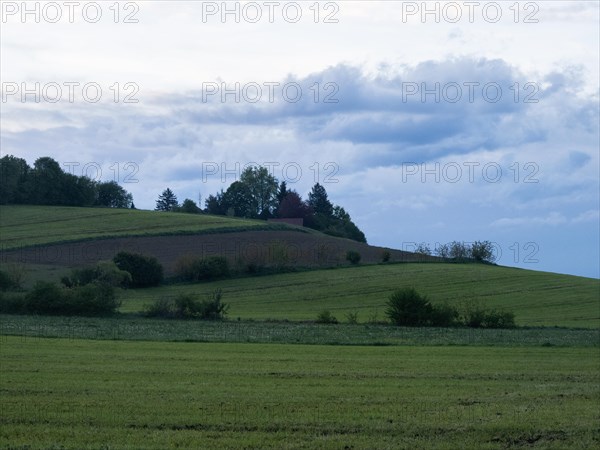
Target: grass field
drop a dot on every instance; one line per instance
(35, 225)
(537, 298)
(115, 394)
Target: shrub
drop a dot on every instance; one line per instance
(499, 319)
(473, 315)
(353, 256)
(46, 298)
(476, 316)
(11, 303)
(198, 269)
(162, 307)
(105, 272)
(385, 256)
(12, 277)
(93, 299)
(325, 316)
(407, 307)
(352, 317)
(213, 308)
(5, 281)
(212, 267)
(145, 270)
(444, 315)
(187, 306)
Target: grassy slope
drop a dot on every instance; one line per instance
(91, 394)
(537, 298)
(30, 225)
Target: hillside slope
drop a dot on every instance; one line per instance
(73, 237)
(24, 225)
(537, 298)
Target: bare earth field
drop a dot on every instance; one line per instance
(262, 247)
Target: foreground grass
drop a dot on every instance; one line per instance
(129, 328)
(78, 394)
(21, 224)
(536, 298)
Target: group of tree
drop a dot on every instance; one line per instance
(480, 251)
(259, 195)
(47, 184)
(406, 307)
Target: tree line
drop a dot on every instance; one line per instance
(47, 184)
(259, 195)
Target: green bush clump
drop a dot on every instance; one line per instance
(93, 299)
(353, 256)
(406, 307)
(202, 269)
(105, 272)
(187, 306)
(145, 270)
(325, 316)
(385, 256)
(11, 303)
(6, 282)
(475, 316)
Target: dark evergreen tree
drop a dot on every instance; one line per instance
(167, 201)
(214, 204)
(319, 201)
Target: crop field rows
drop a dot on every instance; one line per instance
(32, 327)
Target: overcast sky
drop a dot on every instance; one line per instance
(429, 122)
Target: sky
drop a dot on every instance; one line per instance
(428, 122)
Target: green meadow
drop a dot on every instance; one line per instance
(79, 394)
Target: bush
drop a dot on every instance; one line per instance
(385, 256)
(6, 282)
(353, 256)
(352, 317)
(162, 307)
(11, 303)
(145, 270)
(13, 276)
(94, 299)
(476, 316)
(201, 269)
(326, 317)
(499, 319)
(187, 306)
(105, 272)
(408, 308)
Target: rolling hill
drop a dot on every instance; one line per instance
(49, 240)
(73, 237)
(536, 298)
